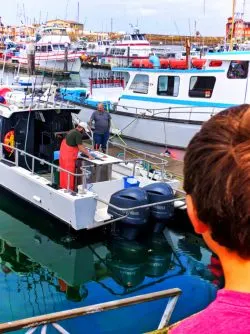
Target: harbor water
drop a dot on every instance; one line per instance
(45, 268)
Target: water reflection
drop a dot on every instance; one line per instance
(46, 267)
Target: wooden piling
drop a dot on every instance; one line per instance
(31, 59)
(66, 58)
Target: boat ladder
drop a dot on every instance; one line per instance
(43, 321)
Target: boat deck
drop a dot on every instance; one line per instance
(173, 167)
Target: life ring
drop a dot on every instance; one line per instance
(9, 139)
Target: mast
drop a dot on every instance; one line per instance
(78, 12)
(232, 28)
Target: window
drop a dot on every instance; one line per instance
(201, 87)
(168, 86)
(141, 37)
(49, 48)
(140, 84)
(238, 70)
(43, 48)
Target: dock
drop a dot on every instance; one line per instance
(38, 70)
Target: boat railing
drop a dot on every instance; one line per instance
(16, 153)
(145, 159)
(14, 156)
(144, 206)
(43, 320)
(169, 112)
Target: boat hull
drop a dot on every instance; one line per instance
(155, 131)
(53, 63)
(77, 211)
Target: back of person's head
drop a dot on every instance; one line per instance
(217, 177)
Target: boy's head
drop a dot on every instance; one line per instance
(217, 180)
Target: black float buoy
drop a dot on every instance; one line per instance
(160, 214)
(131, 225)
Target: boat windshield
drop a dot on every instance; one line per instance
(134, 37)
(58, 47)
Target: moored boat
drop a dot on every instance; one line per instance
(32, 130)
(167, 106)
(53, 52)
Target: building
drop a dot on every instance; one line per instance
(241, 30)
(71, 26)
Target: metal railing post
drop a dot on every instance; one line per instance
(134, 165)
(52, 174)
(16, 158)
(68, 181)
(1, 152)
(124, 153)
(168, 312)
(33, 165)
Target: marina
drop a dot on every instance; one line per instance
(124, 168)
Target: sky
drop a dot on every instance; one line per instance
(153, 16)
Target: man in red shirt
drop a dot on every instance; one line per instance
(217, 183)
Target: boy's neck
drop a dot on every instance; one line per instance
(236, 271)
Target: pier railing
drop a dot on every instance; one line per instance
(52, 318)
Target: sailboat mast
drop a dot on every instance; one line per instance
(232, 29)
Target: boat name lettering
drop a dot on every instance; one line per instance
(161, 207)
(134, 213)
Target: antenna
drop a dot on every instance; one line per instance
(24, 16)
(177, 29)
(189, 26)
(111, 25)
(66, 9)
(40, 15)
(78, 12)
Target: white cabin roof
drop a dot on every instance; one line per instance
(232, 55)
(54, 39)
(7, 111)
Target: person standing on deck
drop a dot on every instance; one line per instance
(217, 183)
(102, 122)
(69, 149)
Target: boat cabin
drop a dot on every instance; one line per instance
(38, 132)
(209, 85)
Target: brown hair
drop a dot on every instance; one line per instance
(217, 176)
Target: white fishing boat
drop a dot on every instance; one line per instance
(167, 106)
(131, 46)
(32, 129)
(98, 48)
(53, 52)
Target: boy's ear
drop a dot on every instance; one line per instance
(198, 225)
